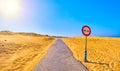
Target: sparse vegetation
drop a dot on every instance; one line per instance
(7, 32)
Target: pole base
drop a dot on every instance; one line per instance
(85, 56)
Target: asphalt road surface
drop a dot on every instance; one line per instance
(59, 58)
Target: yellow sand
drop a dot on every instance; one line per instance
(103, 53)
(22, 53)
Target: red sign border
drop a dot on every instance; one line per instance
(84, 33)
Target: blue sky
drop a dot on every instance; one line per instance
(66, 17)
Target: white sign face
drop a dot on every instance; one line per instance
(86, 30)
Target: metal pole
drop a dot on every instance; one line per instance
(85, 51)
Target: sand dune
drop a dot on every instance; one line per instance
(22, 52)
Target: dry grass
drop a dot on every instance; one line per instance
(22, 52)
(103, 53)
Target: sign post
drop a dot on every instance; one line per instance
(86, 31)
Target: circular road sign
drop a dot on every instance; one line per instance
(86, 30)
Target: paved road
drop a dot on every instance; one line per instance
(59, 58)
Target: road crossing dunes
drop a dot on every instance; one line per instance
(59, 58)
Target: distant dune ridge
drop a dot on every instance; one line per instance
(7, 32)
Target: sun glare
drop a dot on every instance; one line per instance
(9, 8)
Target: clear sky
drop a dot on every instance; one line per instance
(61, 17)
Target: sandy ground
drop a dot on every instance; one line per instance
(22, 52)
(103, 52)
(59, 58)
